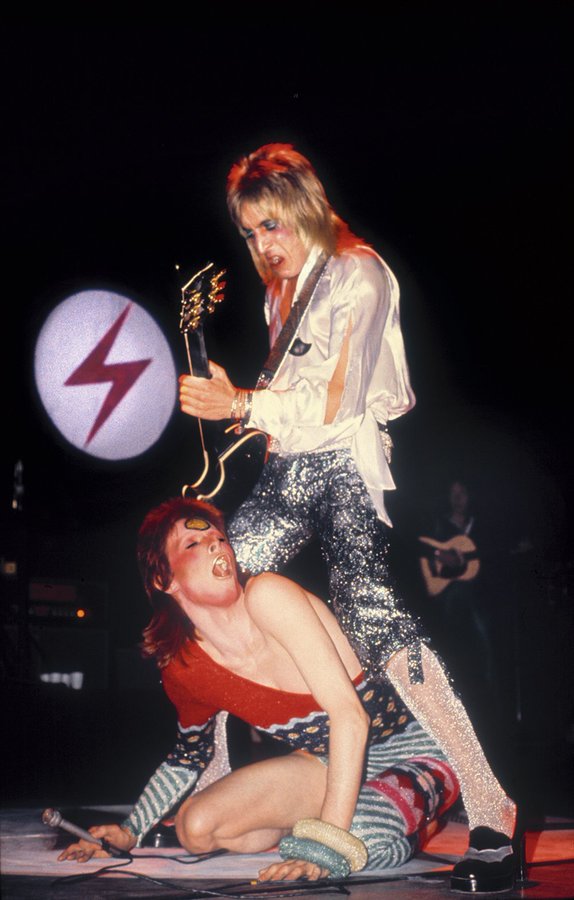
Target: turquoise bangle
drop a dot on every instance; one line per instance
(312, 851)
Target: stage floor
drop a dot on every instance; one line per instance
(29, 851)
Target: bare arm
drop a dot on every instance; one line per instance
(282, 610)
(337, 383)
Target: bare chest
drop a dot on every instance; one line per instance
(268, 663)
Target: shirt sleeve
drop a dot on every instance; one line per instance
(273, 410)
(377, 378)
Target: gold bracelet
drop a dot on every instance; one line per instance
(233, 413)
(247, 407)
(345, 843)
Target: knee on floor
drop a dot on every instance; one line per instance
(195, 828)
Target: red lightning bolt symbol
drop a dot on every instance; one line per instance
(93, 370)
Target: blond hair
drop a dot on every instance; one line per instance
(283, 183)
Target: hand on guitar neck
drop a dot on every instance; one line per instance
(207, 397)
(207, 394)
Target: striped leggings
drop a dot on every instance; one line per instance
(408, 786)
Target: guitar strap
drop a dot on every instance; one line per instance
(287, 333)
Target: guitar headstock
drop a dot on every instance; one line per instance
(199, 296)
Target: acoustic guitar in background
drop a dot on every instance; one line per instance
(443, 562)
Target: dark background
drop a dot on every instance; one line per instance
(443, 135)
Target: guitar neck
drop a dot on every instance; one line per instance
(196, 353)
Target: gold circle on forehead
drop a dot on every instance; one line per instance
(198, 524)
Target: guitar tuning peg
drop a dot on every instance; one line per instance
(216, 280)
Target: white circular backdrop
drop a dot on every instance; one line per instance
(124, 380)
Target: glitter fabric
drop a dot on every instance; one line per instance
(309, 495)
(345, 843)
(219, 765)
(444, 717)
(298, 848)
(321, 495)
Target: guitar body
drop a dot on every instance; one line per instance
(229, 474)
(443, 562)
(232, 462)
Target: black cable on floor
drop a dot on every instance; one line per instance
(242, 890)
(270, 889)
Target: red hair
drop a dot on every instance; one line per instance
(168, 628)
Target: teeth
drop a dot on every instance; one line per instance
(221, 567)
(275, 260)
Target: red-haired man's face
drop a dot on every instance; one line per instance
(202, 564)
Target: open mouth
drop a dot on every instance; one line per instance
(275, 260)
(221, 567)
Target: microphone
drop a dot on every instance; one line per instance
(54, 818)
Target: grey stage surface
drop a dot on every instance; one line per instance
(30, 867)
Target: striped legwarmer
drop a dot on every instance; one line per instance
(408, 786)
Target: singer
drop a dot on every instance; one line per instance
(364, 783)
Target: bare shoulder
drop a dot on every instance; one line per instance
(272, 589)
(278, 597)
(282, 608)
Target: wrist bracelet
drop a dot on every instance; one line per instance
(241, 408)
(314, 852)
(346, 844)
(247, 406)
(233, 413)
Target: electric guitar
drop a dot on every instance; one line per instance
(199, 297)
(443, 562)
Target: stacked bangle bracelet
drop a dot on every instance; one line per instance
(345, 843)
(314, 852)
(241, 407)
(325, 845)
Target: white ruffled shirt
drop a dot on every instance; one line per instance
(356, 286)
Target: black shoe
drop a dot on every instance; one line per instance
(488, 866)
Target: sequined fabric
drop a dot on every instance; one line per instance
(444, 718)
(321, 495)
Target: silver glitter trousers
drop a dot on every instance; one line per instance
(320, 495)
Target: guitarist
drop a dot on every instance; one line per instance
(326, 398)
(458, 612)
